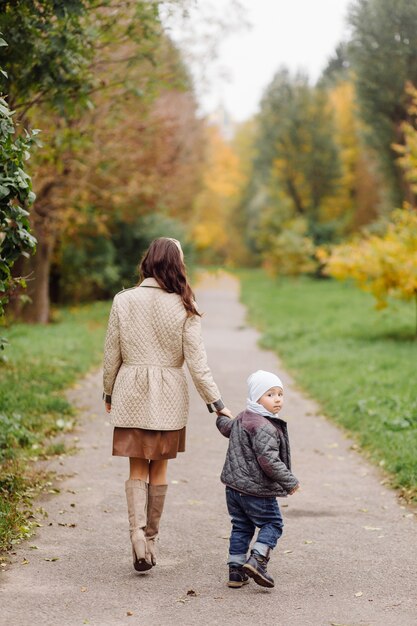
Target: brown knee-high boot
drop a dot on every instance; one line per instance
(136, 496)
(156, 501)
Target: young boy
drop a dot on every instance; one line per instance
(257, 470)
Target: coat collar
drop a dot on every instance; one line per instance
(150, 282)
(276, 420)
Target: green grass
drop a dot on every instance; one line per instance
(359, 363)
(42, 361)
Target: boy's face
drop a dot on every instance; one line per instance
(272, 400)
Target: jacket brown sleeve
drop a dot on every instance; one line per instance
(196, 358)
(112, 352)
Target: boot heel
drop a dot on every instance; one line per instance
(139, 552)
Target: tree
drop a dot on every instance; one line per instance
(357, 195)
(408, 152)
(15, 197)
(295, 147)
(213, 207)
(383, 53)
(70, 51)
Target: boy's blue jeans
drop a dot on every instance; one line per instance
(248, 513)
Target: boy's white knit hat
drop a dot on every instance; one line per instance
(259, 382)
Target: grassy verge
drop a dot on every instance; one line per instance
(42, 361)
(359, 363)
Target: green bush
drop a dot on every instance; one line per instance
(96, 267)
(13, 436)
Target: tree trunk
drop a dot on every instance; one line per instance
(37, 311)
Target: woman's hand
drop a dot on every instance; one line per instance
(225, 411)
(108, 406)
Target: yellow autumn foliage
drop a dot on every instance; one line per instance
(382, 265)
(213, 207)
(408, 151)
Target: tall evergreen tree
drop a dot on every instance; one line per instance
(383, 52)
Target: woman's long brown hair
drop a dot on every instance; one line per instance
(163, 261)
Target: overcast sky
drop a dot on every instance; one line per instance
(300, 34)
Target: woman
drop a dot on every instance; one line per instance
(153, 328)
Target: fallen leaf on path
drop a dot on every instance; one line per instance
(175, 482)
(287, 551)
(72, 504)
(67, 524)
(25, 562)
(181, 600)
(71, 491)
(83, 589)
(33, 547)
(358, 594)
(372, 528)
(364, 510)
(195, 502)
(225, 537)
(308, 541)
(192, 593)
(129, 613)
(53, 558)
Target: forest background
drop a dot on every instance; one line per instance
(321, 182)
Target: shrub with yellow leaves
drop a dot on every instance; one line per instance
(384, 265)
(289, 252)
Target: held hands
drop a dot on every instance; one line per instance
(108, 407)
(225, 411)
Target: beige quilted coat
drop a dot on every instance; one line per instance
(149, 337)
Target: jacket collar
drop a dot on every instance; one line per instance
(273, 420)
(150, 282)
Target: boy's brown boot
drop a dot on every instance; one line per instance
(237, 576)
(136, 496)
(156, 501)
(255, 567)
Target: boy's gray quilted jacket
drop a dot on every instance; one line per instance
(258, 459)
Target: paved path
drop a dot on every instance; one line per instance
(347, 557)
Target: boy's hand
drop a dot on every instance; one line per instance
(225, 411)
(290, 493)
(108, 406)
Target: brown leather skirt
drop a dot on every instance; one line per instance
(153, 445)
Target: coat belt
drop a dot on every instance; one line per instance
(142, 364)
